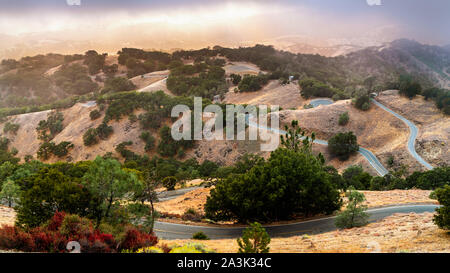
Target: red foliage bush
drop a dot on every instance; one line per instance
(14, 238)
(60, 230)
(56, 221)
(135, 239)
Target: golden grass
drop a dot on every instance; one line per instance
(397, 233)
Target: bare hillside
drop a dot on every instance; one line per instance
(434, 127)
(286, 96)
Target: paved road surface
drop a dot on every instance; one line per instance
(413, 132)
(179, 231)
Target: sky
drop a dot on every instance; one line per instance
(165, 24)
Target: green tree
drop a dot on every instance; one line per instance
(107, 180)
(10, 192)
(354, 215)
(355, 176)
(48, 191)
(442, 217)
(409, 87)
(288, 183)
(254, 240)
(169, 182)
(362, 102)
(296, 139)
(343, 145)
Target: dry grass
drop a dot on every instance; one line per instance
(434, 127)
(286, 96)
(397, 233)
(7, 216)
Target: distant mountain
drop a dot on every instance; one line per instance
(403, 56)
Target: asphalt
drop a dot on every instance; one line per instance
(172, 231)
(413, 132)
(368, 155)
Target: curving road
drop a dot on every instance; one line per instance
(413, 132)
(368, 155)
(179, 231)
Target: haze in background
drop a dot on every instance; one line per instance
(326, 27)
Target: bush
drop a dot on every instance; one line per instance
(429, 180)
(200, 236)
(254, 240)
(362, 102)
(288, 183)
(48, 129)
(192, 215)
(95, 114)
(170, 182)
(235, 78)
(191, 248)
(442, 217)
(313, 88)
(90, 137)
(343, 145)
(252, 83)
(104, 131)
(55, 235)
(343, 119)
(135, 239)
(118, 84)
(48, 148)
(353, 215)
(356, 177)
(11, 127)
(149, 141)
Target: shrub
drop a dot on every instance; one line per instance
(90, 137)
(169, 182)
(192, 215)
(48, 129)
(355, 176)
(254, 240)
(104, 131)
(343, 145)
(343, 119)
(48, 148)
(135, 239)
(190, 248)
(252, 83)
(95, 114)
(235, 78)
(353, 215)
(362, 102)
(11, 127)
(14, 238)
(149, 141)
(442, 217)
(54, 236)
(200, 236)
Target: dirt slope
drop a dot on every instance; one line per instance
(376, 130)
(286, 96)
(434, 127)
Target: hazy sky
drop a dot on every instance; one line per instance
(193, 23)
